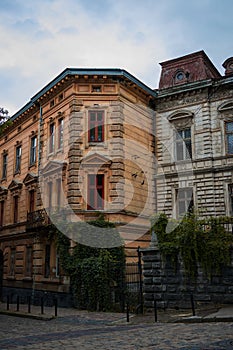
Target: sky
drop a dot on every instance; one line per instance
(40, 38)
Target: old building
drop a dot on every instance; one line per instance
(194, 129)
(83, 145)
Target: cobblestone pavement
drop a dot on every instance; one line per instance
(89, 331)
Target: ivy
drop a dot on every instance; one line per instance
(205, 243)
(93, 271)
(4, 126)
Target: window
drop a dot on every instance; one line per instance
(47, 261)
(31, 201)
(96, 126)
(184, 201)
(60, 132)
(230, 189)
(95, 192)
(12, 262)
(58, 182)
(28, 267)
(57, 265)
(51, 137)
(15, 208)
(229, 136)
(18, 154)
(183, 144)
(33, 150)
(2, 207)
(96, 88)
(4, 165)
(50, 195)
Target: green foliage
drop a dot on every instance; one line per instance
(203, 243)
(4, 126)
(93, 271)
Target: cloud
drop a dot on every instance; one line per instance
(39, 39)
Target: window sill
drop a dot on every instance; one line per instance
(33, 165)
(49, 280)
(27, 279)
(11, 278)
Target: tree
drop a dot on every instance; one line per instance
(3, 115)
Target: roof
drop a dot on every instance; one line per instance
(114, 72)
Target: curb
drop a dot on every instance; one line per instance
(206, 319)
(27, 315)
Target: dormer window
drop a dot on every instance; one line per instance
(96, 88)
(179, 76)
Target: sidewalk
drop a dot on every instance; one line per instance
(222, 313)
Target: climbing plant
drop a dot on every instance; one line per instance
(93, 271)
(203, 243)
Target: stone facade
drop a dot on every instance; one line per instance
(84, 125)
(194, 145)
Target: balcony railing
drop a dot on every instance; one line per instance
(37, 218)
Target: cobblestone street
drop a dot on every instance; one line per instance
(88, 331)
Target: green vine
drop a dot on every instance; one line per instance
(203, 243)
(93, 271)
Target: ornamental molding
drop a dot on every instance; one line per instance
(181, 118)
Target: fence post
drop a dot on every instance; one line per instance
(127, 311)
(17, 303)
(155, 310)
(7, 302)
(42, 305)
(29, 304)
(140, 278)
(192, 304)
(55, 305)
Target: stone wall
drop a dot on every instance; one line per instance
(172, 289)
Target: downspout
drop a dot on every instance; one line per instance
(155, 152)
(39, 137)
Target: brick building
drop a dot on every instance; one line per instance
(83, 144)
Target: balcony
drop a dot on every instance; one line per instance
(36, 219)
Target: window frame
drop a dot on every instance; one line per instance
(15, 209)
(60, 134)
(96, 125)
(93, 192)
(47, 260)
(2, 211)
(181, 139)
(187, 200)
(51, 137)
(33, 151)
(227, 135)
(4, 165)
(29, 261)
(31, 200)
(18, 158)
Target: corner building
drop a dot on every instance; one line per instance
(84, 142)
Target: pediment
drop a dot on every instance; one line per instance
(97, 160)
(54, 166)
(177, 115)
(30, 178)
(15, 185)
(226, 106)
